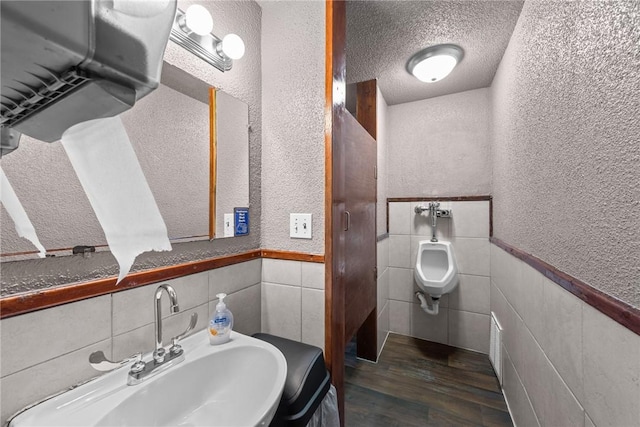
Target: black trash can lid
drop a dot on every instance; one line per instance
(307, 379)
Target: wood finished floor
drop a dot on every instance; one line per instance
(420, 383)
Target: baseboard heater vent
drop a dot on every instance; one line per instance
(495, 346)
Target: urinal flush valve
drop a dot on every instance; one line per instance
(434, 212)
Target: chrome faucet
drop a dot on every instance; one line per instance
(162, 359)
(159, 352)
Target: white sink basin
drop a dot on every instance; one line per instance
(234, 384)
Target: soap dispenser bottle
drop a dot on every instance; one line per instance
(221, 323)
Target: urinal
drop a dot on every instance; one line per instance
(436, 272)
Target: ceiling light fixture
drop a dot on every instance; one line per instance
(192, 31)
(435, 62)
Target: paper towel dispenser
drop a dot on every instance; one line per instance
(65, 62)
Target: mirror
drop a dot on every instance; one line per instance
(231, 160)
(197, 168)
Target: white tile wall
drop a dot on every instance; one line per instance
(463, 320)
(568, 364)
(383, 291)
(401, 285)
(313, 275)
(37, 337)
(470, 219)
(472, 255)
(235, 277)
(399, 218)
(522, 412)
(282, 310)
(562, 336)
(383, 327)
(42, 380)
(246, 304)
(587, 421)
(313, 317)
(48, 350)
(473, 294)
(611, 364)
(400, 251)
(428, 327)
(400, 317)
(534, 373)
(468, 330)
(293, 300)
(134, 308)
(142, 338)
(281, 271)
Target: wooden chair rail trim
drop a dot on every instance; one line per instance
(446, 199)
(292, 256)
(440, 198)
(623, 313)
(27, 302)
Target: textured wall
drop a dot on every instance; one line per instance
(243, 82)
(440, 146)
(293, 53)
(566, 151)
(383, 160)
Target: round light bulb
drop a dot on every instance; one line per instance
(199, 19)
(434, 68)
(233, 46)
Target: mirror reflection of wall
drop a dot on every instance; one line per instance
(232, 158)
(171, 134)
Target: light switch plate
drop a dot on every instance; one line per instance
(300, 225)
(228, 225)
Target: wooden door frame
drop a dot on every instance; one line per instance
(335, 133)
(335, 92)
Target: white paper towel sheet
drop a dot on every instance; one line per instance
(17, 213)
(108, 169)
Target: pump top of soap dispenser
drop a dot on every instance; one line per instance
(221, 305)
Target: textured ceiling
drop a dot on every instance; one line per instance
(383, 35)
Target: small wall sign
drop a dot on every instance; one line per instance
(241, 221)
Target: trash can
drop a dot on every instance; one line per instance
(305, 387)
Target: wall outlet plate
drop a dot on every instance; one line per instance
(300, 225)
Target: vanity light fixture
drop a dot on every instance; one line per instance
(197, 19)
(435, 62)
(192, 31)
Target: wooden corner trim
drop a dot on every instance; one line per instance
(28, 302)
(623, 313)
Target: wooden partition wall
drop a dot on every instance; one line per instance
(350, 212)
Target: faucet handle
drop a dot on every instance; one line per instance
(99, 361)
(174, 341)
